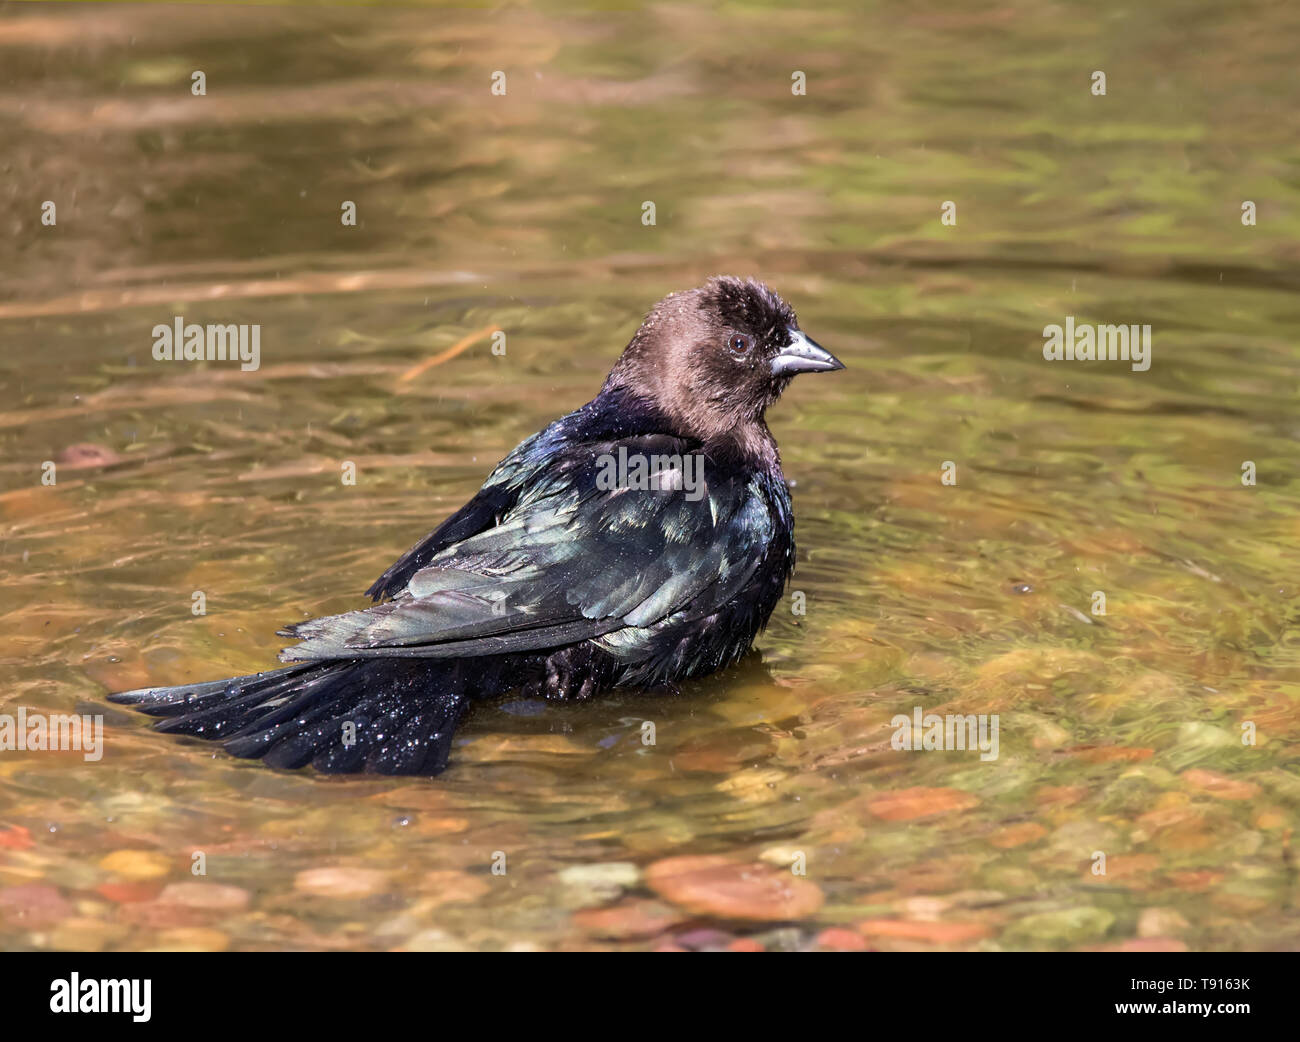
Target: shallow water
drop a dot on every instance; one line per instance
(1119, 734)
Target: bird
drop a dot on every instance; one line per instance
(643, 539)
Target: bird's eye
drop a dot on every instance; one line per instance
(739, 344)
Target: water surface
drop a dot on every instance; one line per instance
(1119, 734)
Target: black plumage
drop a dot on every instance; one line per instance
(551, 580)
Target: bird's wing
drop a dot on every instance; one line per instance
(499, 494)
(569, 562)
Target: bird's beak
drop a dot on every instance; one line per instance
(802, 355)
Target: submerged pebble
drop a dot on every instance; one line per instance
(137, 864)
(212, 897)
(718, 886)
(346, 883)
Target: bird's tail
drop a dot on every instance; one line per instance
(386, 716)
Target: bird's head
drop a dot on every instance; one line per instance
(714, 358)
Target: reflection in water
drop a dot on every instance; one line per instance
(1120, 732)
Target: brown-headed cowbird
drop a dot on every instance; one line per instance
(640, 540)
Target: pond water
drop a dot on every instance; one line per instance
(1157, 740)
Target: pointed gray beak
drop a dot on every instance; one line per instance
(802, 355)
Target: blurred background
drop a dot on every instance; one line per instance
(523, 211)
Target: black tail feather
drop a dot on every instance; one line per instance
(377, 715)
(256, 703)
(173, 701)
